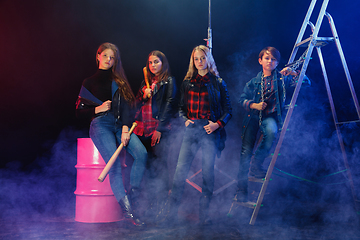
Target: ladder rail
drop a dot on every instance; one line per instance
(327, 85)
(335, 119)
(343, 61)
(302, 30)
(281, 138)
(319, 21)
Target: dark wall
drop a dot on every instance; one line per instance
(48, 48)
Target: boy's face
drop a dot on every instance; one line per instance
(268, 62)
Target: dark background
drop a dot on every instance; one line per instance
(48, 47)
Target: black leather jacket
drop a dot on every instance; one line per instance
(163, 102)
(220, 106)
(85, 107)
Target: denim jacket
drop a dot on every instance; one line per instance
(252, 94)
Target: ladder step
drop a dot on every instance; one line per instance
(340, 123)
(320, 41)
(247, 204)
(260, 180)
(253, 179)
(303, 43)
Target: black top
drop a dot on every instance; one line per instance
(100, 84)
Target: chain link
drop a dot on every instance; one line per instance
(262, 97)
(262, 94)
(295, 65)
(284, 90)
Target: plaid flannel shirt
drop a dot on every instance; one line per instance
(269, 95)
(148, 125)
(198, 99)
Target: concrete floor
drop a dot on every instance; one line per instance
(294, 224)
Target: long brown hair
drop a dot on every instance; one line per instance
(118, 73)
(165, 68)
(211, 66)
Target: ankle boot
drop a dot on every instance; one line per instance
(256, 169)
(134, 195)
(157, 208)
(170, 212)
(241, 195)
(128, 212)
(204, 210)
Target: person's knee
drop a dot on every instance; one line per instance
(246, 151)
(271, 129)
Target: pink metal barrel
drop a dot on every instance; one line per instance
(95, 201)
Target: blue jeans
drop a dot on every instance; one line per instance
(195, 137)
(157, 174)
(269, 130)
(105, 132)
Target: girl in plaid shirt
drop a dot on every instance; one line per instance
(206, 109)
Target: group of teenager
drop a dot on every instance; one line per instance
(107, 101)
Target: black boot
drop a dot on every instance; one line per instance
(204, 210)
(241, 195)
(157, 208)
(134, 195)
(128, 212)
(170, 213)
(156, 202)
(256, 169)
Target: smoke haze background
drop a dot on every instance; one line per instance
(48, 48)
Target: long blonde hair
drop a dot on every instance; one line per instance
(118, 73)
(211, 66)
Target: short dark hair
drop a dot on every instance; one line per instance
(273, 51)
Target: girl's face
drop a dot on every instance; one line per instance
(155, 65)
(106, 59)
(200, 60)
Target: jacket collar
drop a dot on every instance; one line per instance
(258, 76)
(114, 88)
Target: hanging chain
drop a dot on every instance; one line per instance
(284, 90)
(295, 65)
(262, 97)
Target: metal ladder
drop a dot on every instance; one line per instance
(314, 41)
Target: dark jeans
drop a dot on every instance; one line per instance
(105, 132)
(269, 130)
(195, 137)
(157, 174)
